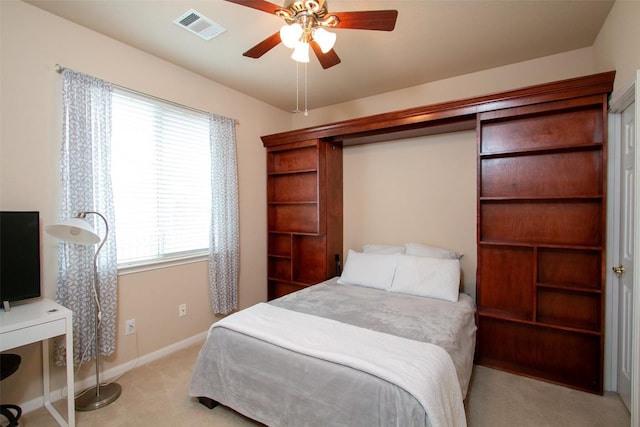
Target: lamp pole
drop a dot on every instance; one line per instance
(108, 393)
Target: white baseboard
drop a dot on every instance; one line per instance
(115, 372)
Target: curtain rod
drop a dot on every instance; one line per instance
(59, 69)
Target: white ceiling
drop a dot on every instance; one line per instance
(432, 40)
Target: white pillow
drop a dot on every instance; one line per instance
(418, 249)
(371, 270)
(383, 249)
(427, 277)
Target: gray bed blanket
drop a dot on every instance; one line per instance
(446, 324)
(282, 388)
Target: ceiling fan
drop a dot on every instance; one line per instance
(306, 24)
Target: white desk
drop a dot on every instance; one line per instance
(38, 321)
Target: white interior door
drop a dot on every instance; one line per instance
(624, 268)
(635, 351)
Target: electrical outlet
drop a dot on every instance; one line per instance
(130, 327)
(182, 310)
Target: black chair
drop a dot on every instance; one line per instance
(9, 363)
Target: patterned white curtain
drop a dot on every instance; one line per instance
(86, 186)
(224, 245)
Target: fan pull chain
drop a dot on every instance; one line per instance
(306, 111)
(297, 110)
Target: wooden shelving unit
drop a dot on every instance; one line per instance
(304, 198)
(541, 225)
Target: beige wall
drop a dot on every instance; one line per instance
(416, 190)
(618, 45)
(32, 42)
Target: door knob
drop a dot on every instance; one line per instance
(619, 270)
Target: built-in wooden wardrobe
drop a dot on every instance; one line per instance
(540, 217)
(304, 215)
(541, 238)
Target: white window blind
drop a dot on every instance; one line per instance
(161, 173)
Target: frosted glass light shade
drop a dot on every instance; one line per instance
(290, 35)
(325, 39)
(74, 230)
(301, 52)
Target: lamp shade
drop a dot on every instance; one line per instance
(301, 52)
(325, 39)
(74, 230)
(290, 34)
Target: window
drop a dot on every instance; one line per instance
(161, 176)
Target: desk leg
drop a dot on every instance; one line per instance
(70, 385)
(71, 394)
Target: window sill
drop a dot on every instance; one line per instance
(158, 264)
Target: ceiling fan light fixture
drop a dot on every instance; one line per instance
(290, 34)
(325, 39)
(301, 52)
(313, 17)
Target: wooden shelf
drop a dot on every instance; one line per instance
(527, 198)
(569, 287)
(585, 328)
(279, 256)
(302, 202)
(588, 146)
(290, 282)
(538, 245)
(506, 315)
(579, 328)
(293, 172)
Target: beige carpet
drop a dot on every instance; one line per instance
(156, 395)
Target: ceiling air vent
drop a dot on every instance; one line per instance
(194, 21)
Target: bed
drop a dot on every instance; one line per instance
(342, 353)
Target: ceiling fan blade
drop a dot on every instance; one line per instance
(262, 5)
(327, 60)
(264, 46)
(381, 20)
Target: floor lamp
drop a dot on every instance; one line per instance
(77, 230)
